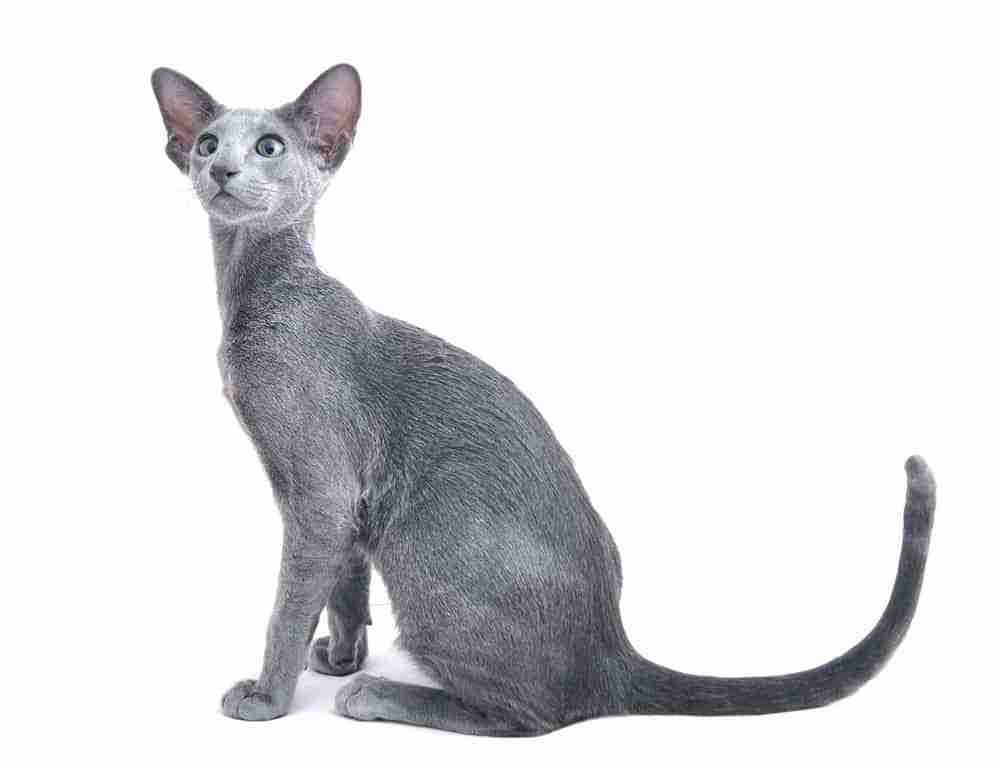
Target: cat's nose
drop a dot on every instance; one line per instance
(221, 174)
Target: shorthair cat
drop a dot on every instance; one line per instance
(387, 447)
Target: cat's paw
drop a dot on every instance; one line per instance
(364, 697)
(245, 702)
(344, 658)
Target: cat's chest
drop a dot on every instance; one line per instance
(261, 364)
(228, 372)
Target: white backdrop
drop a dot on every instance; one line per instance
(741, 255)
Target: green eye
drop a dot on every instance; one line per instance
(270, 146)
(207, 145)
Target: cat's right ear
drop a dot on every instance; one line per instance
(328, 112)
(186, 109)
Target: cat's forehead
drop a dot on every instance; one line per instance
(241, 121)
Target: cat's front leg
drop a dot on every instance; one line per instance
(344, 650)
(308, 571)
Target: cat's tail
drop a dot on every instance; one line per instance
(657, 690)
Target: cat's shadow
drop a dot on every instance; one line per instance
(315, 692)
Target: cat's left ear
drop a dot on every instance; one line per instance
(328, 112)
(186, 109)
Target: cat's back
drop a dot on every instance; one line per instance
(437, 389)
(463, 442)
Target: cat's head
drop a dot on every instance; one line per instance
(260, 165)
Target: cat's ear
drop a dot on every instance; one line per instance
(328, 112)
(186, 109)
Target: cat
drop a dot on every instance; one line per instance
(387, 447)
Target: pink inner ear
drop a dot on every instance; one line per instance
(333, 102)
(185, 109)
(180, 117)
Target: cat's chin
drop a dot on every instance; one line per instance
(231, 210)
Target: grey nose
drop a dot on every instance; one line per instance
(221, 174)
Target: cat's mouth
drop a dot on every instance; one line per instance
(229, 200)
(222, 195)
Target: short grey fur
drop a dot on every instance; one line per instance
(387, 447)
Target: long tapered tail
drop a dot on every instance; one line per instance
(658, 690)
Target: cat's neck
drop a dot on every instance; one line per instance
(250, 261)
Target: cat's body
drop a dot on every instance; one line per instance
(451, 482)
(388, 447)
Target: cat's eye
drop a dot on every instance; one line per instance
(270, 146)
(207, 145)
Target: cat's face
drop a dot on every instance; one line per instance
(250, 164)
(256, 165)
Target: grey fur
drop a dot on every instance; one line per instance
(388, 447)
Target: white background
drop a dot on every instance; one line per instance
(741, 255)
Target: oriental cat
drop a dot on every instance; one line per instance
(389, 448)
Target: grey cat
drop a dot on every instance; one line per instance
(387, 447)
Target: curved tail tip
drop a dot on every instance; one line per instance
(921, 494)
(918, 475)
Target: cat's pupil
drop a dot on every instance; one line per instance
(269, 146)
(207, 146)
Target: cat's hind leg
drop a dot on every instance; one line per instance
(345, 650)
(366, 697)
